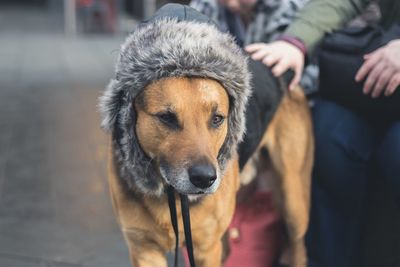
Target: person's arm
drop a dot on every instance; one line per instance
(312, 22)
(319, 17)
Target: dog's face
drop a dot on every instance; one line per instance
(181, 125)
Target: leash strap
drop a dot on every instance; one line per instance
(186, 226)
(174, 220)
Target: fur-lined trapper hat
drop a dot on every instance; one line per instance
(177, 42)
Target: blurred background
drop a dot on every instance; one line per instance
(56, 57)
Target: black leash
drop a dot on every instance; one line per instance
(186, 224)
(174, 220)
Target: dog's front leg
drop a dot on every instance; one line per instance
(208, 256)
(147, 258)
(145, 253)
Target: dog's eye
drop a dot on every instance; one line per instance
(217, 120)
(169, 119)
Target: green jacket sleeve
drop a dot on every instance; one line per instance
(323, 16)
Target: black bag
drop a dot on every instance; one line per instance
(340, 57)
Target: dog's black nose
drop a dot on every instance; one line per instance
(202, 175)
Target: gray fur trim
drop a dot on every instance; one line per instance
(168, 48)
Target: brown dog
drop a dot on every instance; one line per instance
(201, 105)
(178, 124)
(145, 222)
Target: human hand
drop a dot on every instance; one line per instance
(281, 54)
(381, 69)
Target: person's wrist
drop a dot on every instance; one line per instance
(294, 41)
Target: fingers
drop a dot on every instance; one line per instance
(393, 84)
(270, 60)
(373, 77)
(381, 70)
(297, 77)
(280, 67)
(263, 52)
(382, 81)
(367, 56)
(260, 54)
(254, 47)
(369, 63)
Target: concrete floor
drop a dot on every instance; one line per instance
(54, 204)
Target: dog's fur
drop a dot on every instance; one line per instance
(185, 107)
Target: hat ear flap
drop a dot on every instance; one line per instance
(236, 128)
(119, 118)
(110, 103)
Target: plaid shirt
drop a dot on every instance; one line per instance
(269, 22)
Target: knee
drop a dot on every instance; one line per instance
(391, 140)
(389, 152)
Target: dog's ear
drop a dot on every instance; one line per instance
(110, 103)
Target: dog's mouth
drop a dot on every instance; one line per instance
(190, 192)
(179, 179)
(186, 188)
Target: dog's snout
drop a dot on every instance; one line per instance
(202, 175)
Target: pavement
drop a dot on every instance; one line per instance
(55, 208)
